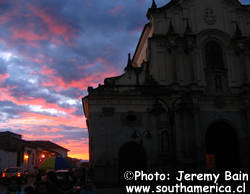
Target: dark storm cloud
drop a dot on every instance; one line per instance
(25, 91)
(11, 109)
(79, 110)
(5, 6)
(72, 93)
(76, 135)
(97, 31)
(64, 132)
(3, 67)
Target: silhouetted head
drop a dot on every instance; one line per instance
(41, 188)
(29, 190)
(51, 176)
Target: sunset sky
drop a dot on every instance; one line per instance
(51, 51)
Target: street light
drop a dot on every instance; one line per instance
(26, 156)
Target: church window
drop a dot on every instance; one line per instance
(218, 83)
(216, 74)
(214, 55)
(131, 117)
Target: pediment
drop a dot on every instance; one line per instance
(177, 3)
(201, 14)
(180, 4)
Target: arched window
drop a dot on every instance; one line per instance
(214, 55)
(216, 74)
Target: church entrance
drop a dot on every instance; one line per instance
(132, 157)
(221, 147)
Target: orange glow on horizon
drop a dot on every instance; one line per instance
(80, 156)
(78, 148)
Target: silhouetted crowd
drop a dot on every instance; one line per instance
(77, 181)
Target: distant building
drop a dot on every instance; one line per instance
(184, 99)
(14, 151)
(10, 134)
(11, 149)
(52, 147)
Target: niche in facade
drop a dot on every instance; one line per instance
(131, 119)
(108, 111)
(216, 74)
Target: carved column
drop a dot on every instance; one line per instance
(247, 66)
(199, 76)
(192, 65)
(179, 65)
(199, 156)
(231, 68)
(178, 130)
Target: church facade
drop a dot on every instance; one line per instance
(184, 99)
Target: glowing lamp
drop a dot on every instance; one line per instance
(18, 174)
(43, 156)
(26, 156)
(3, 175)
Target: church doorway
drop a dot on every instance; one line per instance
(132, 157)
(221, 147)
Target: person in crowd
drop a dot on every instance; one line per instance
(29, 190)
(13, 188)
(41, 188)
(52, 183)
(72, 177)
(39, 175)
(89, 189)
(83, 176)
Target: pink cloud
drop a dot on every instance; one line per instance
(6, 17)
(39, 58)
(6, 95)
(10, 14)
(115, 11)
(56, 27)
(40, 137)
(47, 71)
(91, 80)
(137, 29)
(141, 1)
(27, 34)
(51, 130)
(3, 77)
(89, 3)
(56, 40)
(38, 119)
